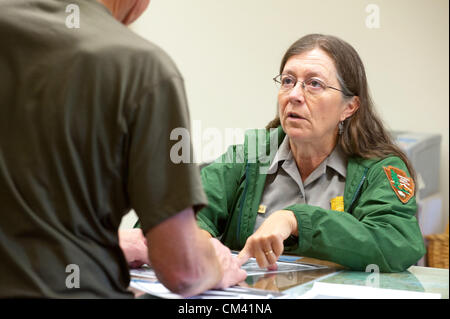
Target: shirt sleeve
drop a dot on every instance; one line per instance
(160, 186)
(220, 180)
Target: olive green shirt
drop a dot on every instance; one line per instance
(85, 122)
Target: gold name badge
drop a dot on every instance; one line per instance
(337, 203)
(262, 209)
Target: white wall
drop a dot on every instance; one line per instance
(228, 52)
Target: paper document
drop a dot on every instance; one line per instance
(157, 289)
(144, 272)
(322, 290)
(144, 279)
(251, 267)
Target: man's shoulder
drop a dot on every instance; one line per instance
(100, 41)
(137, 55)
(116, 45)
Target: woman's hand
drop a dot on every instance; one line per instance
(266, 244)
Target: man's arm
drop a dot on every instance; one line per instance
(186, 261)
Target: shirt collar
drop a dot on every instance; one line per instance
(336, 160)
(283, 152)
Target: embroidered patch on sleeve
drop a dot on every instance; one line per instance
(402, 185)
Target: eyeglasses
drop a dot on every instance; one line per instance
(312, 86)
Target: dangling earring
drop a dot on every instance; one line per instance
(341, 127)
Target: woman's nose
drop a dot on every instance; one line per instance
(297, 93)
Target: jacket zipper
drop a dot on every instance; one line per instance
(358, 189)
(238, 231)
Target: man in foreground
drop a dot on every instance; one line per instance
(86, 111)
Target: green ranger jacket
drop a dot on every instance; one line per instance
(374, 228)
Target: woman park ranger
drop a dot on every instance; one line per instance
(336, 188)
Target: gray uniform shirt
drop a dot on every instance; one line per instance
(284, 186)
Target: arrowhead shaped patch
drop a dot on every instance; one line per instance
(402, 185)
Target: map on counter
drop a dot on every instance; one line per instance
(251, 267)
(157, 289)
(144, 279)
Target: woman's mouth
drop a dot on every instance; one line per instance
(292, 115)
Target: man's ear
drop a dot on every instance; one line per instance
(126, 11)
(136, 11)
(351, 107)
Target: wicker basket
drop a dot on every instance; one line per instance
(437, 254)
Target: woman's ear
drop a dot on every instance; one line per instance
(351, 107)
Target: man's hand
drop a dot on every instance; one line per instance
(266, 244)
(231, 267)
(134, 247)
